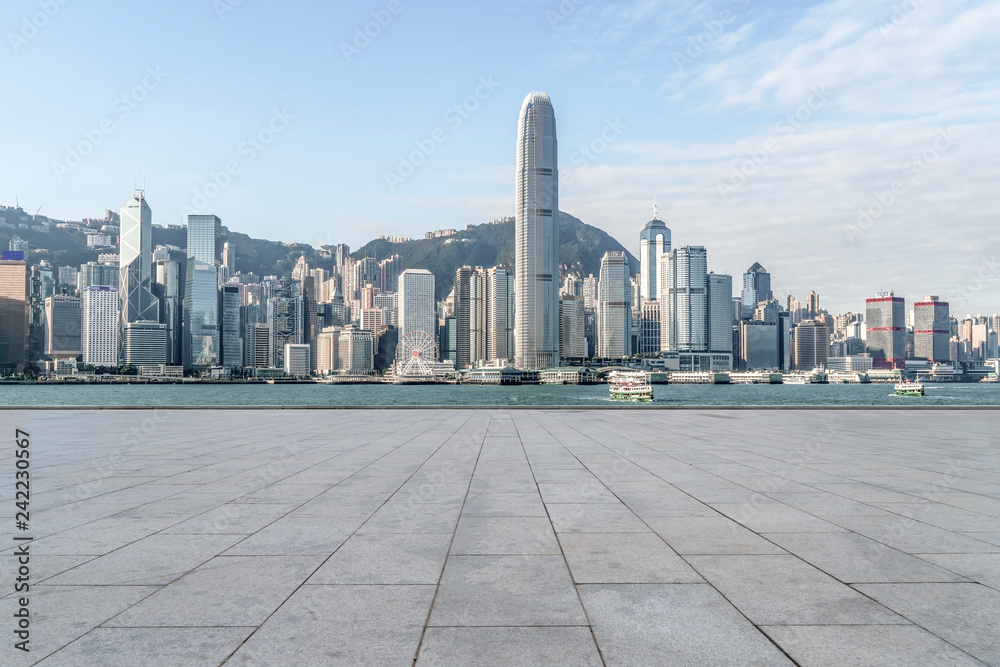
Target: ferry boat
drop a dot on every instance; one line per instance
(630, 386)
(907, 388)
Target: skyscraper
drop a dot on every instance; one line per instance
(99, 325)
(720, 313)
(203, 235)
(201, 316)
(684, 300)
(416, 302)
(14, 316)
(228, 262)
(756, 288)
(572, 339)
(135, 264)
(614, 307)
(62, 326)
(885, 322)
(812, 345)
(536, 312)
(931, 330)
(654, 241)
(232, 349)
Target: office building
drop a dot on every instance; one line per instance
(812, 345)
(654, 242)
(759, 346)
(99, 326)
(296, 358)
(138, 304)
(201, 316)
(536, 313)
(572, 328)
(720, 313)
(145, 343)
(62, 327)
(356, 351)
(416, 303)
(14, 315)
(232, 348)
(684, 300)
(614, 307)
(756, 288)
(94, 273)
(258, 341)
(204, 235)
(931, 330)
(649, 327)
(885, 327)
(169, 275)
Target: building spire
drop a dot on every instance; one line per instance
(656, 209)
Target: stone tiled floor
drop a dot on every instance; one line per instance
(491, 537)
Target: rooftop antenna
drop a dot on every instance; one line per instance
(656, 214)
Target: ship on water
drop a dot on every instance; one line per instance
(630, 386)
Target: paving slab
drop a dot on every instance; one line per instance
(854, 558)
(894, 645)
(465, 536)
(783, 590)
(637, 558)
(226, 591)
(677, 624)
(508, 647)
(386, 558)
(164, 647)
(341, 625)
(506, 590)
(965, 615)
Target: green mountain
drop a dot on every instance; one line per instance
(489, 244)
(581, 249)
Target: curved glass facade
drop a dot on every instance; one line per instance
(536, 285)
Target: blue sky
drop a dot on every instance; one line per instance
(849, 146)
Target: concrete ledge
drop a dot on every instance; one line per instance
(500, 407)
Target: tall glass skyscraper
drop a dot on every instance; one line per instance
(204, 233)
(135, 262)
(536, 287)
(614, 307)
(756, 288)
(684, 300)
(654, 241)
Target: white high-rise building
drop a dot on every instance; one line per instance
(684, 300)
(614, 307)
(138, 304)
(99, 325)
(536, 312)
(416, 302)
(654, 242)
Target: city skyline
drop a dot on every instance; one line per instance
(679, 98)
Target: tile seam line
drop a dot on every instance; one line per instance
(708, 582)
(569, 570)
(451, 542)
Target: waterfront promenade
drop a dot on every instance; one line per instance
(507, 537)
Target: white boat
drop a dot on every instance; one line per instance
(907, 388)
(630, 386)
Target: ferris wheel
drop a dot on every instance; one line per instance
(416, 354)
